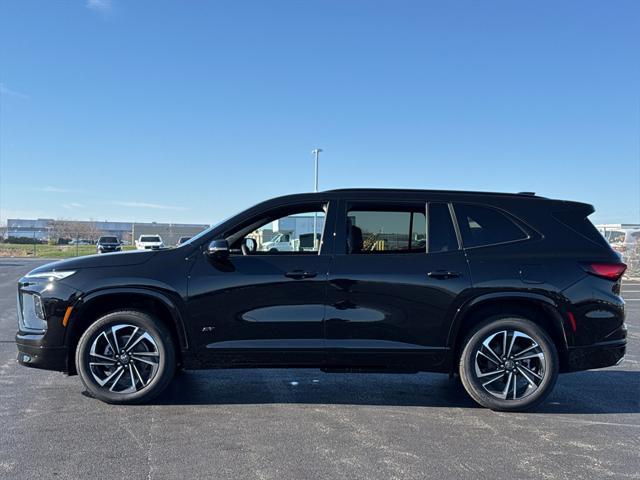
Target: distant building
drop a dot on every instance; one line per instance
(24, 228)
(618, 226)
(609, 230)
(294, 225)
(44, 229)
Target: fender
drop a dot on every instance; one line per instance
(547, 303)
(176, 314)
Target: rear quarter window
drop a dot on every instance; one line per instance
(481, 225)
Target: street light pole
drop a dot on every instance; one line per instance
(316, 155)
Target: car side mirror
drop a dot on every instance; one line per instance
(218, 249)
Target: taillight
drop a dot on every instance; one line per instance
(610, 271)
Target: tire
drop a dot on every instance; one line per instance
(529, 372)
(144, 368)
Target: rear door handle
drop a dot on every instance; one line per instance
(300, 274)
(443, 274)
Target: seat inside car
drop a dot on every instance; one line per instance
(354, 239)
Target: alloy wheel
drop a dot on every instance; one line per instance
(124, 358)
(509, 364)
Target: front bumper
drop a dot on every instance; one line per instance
(45, 349)
(48, 358)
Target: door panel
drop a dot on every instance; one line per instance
(388, 300)
(260, 306)
(251, 312)
(386, 310)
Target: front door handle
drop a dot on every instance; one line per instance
(443, 274)
(300, 274)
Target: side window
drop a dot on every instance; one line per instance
(481, 226)
(380, 231)
(288, 234)
(442, 234)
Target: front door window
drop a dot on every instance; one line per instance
(293, 233)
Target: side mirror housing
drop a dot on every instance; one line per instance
(218, 249)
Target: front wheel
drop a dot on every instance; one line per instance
(125, 357)
(509, 363)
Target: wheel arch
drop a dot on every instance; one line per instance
(540, 309)
(99, 303)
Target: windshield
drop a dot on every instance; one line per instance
(197, 237)
(108, 240)
(148, 238)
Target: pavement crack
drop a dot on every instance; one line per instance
(149, 451)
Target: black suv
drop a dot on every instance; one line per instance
(108, 244)
(506, 290)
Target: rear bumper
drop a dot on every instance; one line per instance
(599, 355)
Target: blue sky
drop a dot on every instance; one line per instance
(190, 111)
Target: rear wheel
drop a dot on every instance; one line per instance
(509, 363)
(125, 357)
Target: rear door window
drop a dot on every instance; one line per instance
(375, 231)
(481, 225)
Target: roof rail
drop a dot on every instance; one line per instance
(530, 194)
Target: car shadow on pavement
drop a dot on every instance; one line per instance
(592, 392)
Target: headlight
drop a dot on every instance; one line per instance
(31, 313)
(59, 275)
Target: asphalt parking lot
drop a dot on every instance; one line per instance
(303, 424)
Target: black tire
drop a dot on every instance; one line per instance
(165, 359)
(469, 371)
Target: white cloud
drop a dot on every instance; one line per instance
(155, 206)
(51, 189)
(4, 90)
(99, 5)
(72, 205)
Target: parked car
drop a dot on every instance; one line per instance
(79, 242)
(149, 242)
(505, 290)
(623, 240)
(182, 240)
(108, 245)
(280, 243)
(284, 242)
